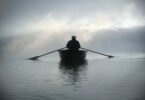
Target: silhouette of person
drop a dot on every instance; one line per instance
(73, 44)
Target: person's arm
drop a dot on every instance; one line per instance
(79, 46)
(68, 44)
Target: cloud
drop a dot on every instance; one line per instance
(84, 27)
(121, 42)
(127, 41)
(44, 25)
(86, 15)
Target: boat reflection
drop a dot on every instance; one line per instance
(73, 73)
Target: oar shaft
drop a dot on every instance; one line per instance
(35, 58)
(95, 52)
(51, 52)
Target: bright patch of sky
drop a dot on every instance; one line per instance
(82, 18)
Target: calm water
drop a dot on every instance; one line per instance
(95, 79)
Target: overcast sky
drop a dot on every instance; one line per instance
(96, 23)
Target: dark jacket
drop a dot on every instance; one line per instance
(73, 45)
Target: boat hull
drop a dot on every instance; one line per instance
(72, 55)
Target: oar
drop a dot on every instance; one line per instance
(109, 56)
(36, 57)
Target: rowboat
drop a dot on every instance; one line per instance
(72, 55)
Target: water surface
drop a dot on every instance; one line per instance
(95, 79)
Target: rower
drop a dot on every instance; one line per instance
(73, 44)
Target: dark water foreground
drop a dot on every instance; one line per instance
(97, 79)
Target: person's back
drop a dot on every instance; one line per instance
(73, 44)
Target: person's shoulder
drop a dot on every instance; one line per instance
(69, 41)
(77, 41)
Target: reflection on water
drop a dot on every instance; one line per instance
(73, 72)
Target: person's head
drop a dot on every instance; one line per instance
(73, 37)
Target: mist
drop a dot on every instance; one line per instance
(33, 27)
(29, 28)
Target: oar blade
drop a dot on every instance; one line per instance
(110, 56)
(34, 58)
